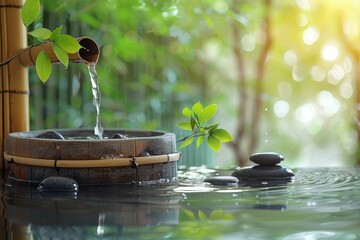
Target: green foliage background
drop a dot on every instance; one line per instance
(158, 56)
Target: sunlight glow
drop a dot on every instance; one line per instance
(171, 11)
(285, 89)
(329, 105)
(329, 52)
(248, 42)
(346, 90)
(297, 73)
(317, 74)
(335, 74)
(281, 108)
(303, 4)
(305, 113)
(221, 6)
(290, 58)
(347, 64)
(310, 35)
(303, 20)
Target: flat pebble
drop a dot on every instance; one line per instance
(222, 180)
(266, 158)
(263, 173)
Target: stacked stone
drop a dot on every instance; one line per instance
(267, 168)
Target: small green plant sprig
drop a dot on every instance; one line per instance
(63, 44)
(201, 131)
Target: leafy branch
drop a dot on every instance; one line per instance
(200, 130)
(63, 44)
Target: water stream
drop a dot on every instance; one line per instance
(98, 129)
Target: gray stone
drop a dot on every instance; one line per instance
(266, 158)
(222, 180)
(263, 173)
(50, 135)
(58, 184)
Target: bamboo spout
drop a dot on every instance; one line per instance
(89, 54)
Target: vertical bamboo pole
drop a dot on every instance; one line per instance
(14, 87)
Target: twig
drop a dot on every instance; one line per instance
(15, 56)
(260, 67)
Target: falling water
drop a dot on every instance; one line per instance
(98, 129)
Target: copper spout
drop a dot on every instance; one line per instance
(89, 54)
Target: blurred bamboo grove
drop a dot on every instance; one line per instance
(284, 73)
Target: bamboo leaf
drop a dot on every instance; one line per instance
(197, 108)
(187, 142)
(207, 113)
(41, 34)
(61, 55)
(43, 66)
(222, 135)
(200, 140)
(187, 112)
(67, 43)
(185, 125)
(214, 143)
(30, 11)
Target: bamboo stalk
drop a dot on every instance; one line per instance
(73, 163)
(89, 54)
(15, 57)
(3, 72)
(14, 91)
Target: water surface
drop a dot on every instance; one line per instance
(319, 204)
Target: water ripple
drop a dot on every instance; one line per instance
(327, 179)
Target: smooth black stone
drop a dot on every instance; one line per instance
(270, 206)
(119, 136)
(222, 180)
(266, 158)
(58, 184)
(50, 135)
(263, 173)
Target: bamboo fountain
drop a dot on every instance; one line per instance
(124, 156)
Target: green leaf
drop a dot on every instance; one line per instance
(41, 33)
(56, 33)
(187, 112)
(222, 135)
(185, 125)
(216, 214)
(200, 140)
(30, 11)
(202, 215)
(214, 143)
(67, 43)
(193, 123)
(212, 127)
(189, 214)
(207, 113)
(197, 108)
(43, 66)
(187, 142)
(61, 55)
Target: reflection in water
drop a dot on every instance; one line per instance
(319, 204)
